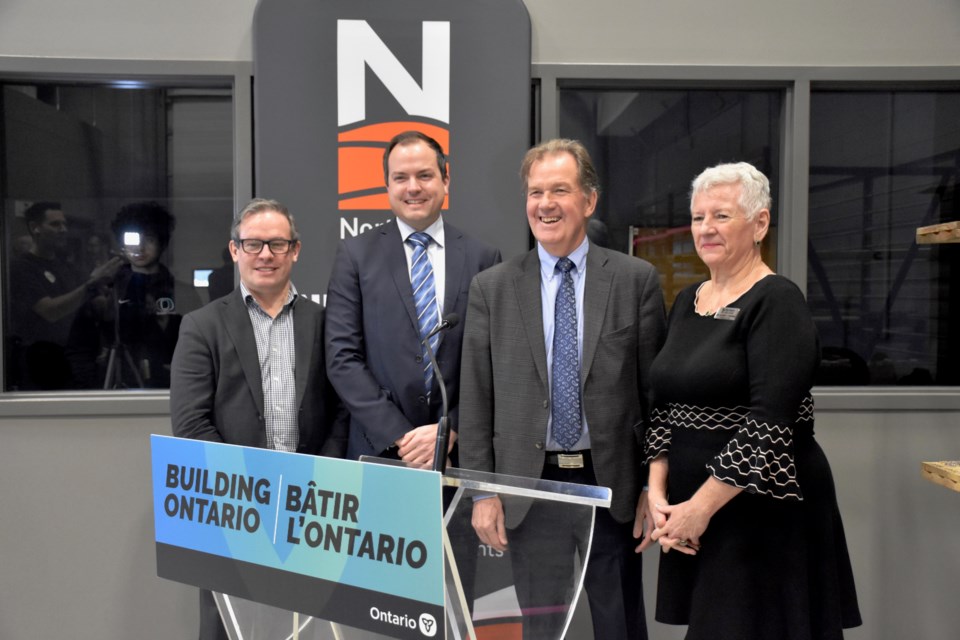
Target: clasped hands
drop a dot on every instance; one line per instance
(678, 526)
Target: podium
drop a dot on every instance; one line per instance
(528, 591)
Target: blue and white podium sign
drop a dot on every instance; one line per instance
(358, 544)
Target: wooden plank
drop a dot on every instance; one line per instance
(946, 474)
(939, 233)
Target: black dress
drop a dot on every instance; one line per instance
(733, 401)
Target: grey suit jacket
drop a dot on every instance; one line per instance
(373, 339)
(215, 389)
(505, 395)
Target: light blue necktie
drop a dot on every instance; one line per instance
(565, 384)
(425, 299)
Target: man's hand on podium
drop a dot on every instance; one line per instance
(416, 446)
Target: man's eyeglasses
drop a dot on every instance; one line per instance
(278, 246)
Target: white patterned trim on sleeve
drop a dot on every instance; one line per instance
(759, 457)
(657, 438)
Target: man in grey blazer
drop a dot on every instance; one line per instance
(249, 368)
(514, 421)
(374, 354)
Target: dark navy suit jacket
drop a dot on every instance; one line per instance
(374, 359)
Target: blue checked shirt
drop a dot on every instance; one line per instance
(275, 351)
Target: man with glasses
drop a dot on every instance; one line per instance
(264, 332)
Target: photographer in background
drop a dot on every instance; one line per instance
(46, 292)
(125, 337)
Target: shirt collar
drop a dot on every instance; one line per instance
(435, 231)
(548, 263)
(292, 295)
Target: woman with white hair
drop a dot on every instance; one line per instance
(742, 495)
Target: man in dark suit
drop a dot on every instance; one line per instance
(375, 322)
(566, 311)
(249, 368)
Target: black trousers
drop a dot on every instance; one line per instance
(613, 582)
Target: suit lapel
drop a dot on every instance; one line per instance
(596, 294)
(240, 331)
(454, 257)
(303, 338)
(391, 244)
(527, 284)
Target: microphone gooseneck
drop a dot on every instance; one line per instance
(449, 321)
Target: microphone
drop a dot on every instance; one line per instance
(449, 321)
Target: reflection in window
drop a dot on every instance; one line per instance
(882, 164)
(649, 144)
(112, 200)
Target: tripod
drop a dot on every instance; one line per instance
(119, 354)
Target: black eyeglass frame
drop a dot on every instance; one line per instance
(253, 246)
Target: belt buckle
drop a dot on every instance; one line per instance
(570, 460)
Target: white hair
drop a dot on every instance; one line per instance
(754, 186)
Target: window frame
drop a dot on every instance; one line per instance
(238, 76)
(793, 199)
(796, 82)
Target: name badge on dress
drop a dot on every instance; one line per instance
(726, 313)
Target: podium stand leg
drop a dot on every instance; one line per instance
(459, 620)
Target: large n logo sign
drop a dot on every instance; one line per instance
(361, 142)
(336, 79)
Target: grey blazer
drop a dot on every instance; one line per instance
(215, 387)
(504, 390)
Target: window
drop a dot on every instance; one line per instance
(115, 197)
(882, 164)
(858, 160)
(649, 144)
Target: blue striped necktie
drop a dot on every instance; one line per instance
(424, 298)
(565, 383)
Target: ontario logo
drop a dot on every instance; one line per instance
(426, 623)
(426, 107)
